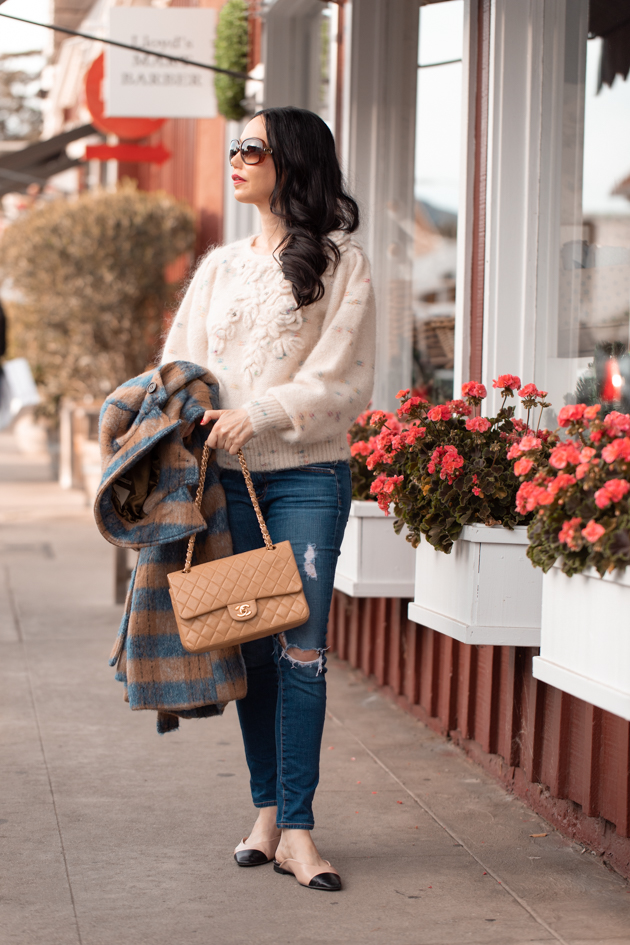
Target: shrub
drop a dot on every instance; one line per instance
(89, 276)
(448, 468)
(231, 50)
(579, 493)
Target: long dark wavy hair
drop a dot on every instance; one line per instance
(308, 198)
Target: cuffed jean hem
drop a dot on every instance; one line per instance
(282, 826)
(265, 803)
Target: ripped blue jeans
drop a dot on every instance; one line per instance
(282, 715)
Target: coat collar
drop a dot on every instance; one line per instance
(142, 414)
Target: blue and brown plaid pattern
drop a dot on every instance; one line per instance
(145, 414)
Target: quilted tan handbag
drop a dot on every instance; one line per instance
(233, 600)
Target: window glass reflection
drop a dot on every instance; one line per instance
(594, 265)
(438, 122)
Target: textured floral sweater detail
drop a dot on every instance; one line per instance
(303, 375)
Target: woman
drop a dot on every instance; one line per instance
(285, 321)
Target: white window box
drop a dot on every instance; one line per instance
(585, 637)
(486, 591)
(374, 560)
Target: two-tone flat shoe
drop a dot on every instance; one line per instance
(256, 854)
(310, 876)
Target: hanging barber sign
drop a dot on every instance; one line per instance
(138, 83)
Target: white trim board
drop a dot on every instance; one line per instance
(465, 633)
(605, 697)
(364, 589)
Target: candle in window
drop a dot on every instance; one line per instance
(613, 381)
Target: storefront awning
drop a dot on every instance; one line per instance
(37, 162)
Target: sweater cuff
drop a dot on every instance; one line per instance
(267, 414)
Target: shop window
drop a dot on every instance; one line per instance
(437, 159)
(324, 86)
(590, 359)
(323, 71)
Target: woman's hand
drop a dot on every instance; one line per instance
(232, 430)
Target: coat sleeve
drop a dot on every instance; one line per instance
(187, 339)
(334, 384)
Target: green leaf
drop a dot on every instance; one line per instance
(231, 51)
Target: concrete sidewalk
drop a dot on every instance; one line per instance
(112, 835)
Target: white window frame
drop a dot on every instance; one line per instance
(522, 202)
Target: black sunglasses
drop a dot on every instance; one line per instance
(252, 150)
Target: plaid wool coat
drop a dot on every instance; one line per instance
(144, 416)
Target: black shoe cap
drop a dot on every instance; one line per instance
(327, 881)
(250, 858)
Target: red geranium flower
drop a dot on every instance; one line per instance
(568, 532)
(448, 459)
(593, 532)
(530, 495)
(460, 408)
(379, 456)
(562, 481)
(529, 443)
(523, 466)
(617, 423)
(530, 390)
(478, 424)
(474, 390)
(413, 433)
(382, 488)
(507, 382)
(390, 483)
(441, 412)
(514, 451)
(618, 449)
(408, 404)
(570, 413)
(612, 491)
(360, 449)
(563, 454)
(524, 445)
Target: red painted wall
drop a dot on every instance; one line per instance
(567, 759)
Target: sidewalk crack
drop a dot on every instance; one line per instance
(524, 905)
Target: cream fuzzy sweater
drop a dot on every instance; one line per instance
(303, 375)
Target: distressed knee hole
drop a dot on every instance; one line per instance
(299, 657)
(305, 656)
(309, 561)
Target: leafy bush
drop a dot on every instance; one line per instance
(231, 50)
(90, 276)
(579, 491)
(448, 468)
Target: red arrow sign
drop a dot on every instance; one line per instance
(127, 152)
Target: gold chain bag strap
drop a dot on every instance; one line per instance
(233, 600)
